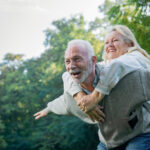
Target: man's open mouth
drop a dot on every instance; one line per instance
(75, 73)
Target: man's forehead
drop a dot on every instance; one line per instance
(76, 51)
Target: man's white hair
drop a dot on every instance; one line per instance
(78, 42)
(128, 38)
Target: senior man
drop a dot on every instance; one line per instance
(80, 62)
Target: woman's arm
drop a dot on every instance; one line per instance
(109, 78)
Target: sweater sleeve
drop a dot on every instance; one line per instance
(57, 106)
(114, 72)
(70, 86)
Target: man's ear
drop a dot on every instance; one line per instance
(94, 59)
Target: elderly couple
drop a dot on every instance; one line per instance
(114, 94)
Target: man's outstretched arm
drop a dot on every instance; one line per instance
(56, 106)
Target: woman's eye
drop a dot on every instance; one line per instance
(115, 40)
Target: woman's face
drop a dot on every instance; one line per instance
(115, 45)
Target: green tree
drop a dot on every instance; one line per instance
(53, 67)
(27, 86)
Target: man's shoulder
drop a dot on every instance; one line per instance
(67, 78)
(65, 75)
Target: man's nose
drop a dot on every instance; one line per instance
(72, 65)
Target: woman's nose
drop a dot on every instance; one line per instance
(110, 43)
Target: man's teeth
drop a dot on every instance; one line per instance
(76, 73)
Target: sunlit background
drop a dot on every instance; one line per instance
(29, 82)
(22, 22)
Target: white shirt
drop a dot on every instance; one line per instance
(112, 73)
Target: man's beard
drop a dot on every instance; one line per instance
(85, 73)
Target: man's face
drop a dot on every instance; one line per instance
(78, 64)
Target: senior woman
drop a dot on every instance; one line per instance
(121, 56)
(120, 43)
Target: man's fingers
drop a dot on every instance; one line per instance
(94, 117)
(99, 112)
(100, 107)
(36, 114)
(38, 117)
(40, 114)
(97, 116)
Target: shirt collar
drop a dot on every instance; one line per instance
(94, 84)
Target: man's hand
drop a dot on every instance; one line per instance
(88, 102)
(40, 114)
(96, 114)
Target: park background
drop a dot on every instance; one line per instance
(27, 85)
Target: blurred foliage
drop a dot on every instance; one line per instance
(27, 86)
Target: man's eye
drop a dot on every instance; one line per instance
(67, 61)
(77, 59)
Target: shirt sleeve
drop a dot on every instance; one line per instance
(57, 106)
(70, 86)
(114, 72)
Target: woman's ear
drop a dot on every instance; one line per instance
(130, 44)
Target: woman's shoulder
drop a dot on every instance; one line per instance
(127, 57)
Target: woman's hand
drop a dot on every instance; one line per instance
(88, 102)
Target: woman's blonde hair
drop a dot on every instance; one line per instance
(128, 37)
